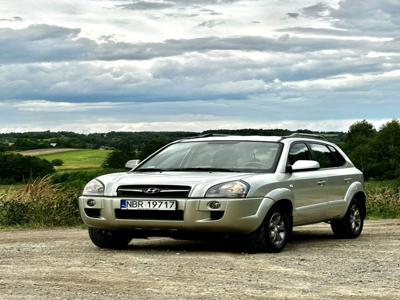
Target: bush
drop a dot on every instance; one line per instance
(57, 162)
(40, 203)
(383, 200)
(116, 160)
(18, 168)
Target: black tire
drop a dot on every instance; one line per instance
(351, 225)
(113, 239)
(273, 233)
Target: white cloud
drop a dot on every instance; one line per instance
(52, 106)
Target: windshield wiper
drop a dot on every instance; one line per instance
(150, 170)
(203, 169)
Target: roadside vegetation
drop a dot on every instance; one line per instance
(383, 199)
(40, 203)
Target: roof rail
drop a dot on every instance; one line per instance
(305, 135)
(205, 135)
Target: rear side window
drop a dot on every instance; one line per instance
(298, 151)
(325, 157)
(339, 158)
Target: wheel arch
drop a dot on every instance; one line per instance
(362, 197)
(287, 206)
(283, 198)
(356, 188)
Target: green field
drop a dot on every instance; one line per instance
(5, 188)
(79, 159)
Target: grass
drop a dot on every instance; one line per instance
(79, 159)
(7, 187)
(40, 203)
(383, 199)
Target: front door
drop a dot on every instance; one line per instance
(308, 187)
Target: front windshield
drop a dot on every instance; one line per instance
(230, 156)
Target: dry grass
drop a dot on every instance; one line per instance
(383, 201)
(39, 203)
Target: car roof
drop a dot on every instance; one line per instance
(252, 138)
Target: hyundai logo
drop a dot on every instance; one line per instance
(151, 190)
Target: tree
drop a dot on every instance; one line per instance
(376, 153)
(116, 160)
(151, 147)
(3, 147)
(387, 145)
(18, 168)
(358, 145)
(57, 162)
(360, 131)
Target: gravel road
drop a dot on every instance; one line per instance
(63, 264)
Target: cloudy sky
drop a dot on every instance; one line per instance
(101, 65)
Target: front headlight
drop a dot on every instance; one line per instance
(232, 189)
(94, 188)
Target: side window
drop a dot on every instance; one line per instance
(298, 151)
(324, 156)
(340, 161)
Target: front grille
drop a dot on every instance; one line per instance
(169, 215)
(153, 191)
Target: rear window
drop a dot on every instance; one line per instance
(327, 156)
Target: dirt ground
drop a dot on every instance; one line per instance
(63, 264)
(37, 152)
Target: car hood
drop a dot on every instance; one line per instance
(198, 181)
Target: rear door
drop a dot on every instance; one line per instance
(336, 176)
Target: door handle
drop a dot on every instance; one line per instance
(321, 182)
(348, 179)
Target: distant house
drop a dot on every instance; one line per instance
(105, 148)
(53, 144)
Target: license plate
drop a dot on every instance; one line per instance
(148, 204)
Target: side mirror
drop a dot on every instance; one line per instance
(305, 165)
(131, 164)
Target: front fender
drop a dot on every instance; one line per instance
(270, 199)
(280, 194)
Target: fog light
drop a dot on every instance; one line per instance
(91, 202)
(214, 204)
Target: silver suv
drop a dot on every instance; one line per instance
(254, 188)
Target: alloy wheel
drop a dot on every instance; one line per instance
(277, 229)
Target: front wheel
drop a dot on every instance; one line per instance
(113, 239)
(273, 233)
(351, 225)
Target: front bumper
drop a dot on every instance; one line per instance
(235, 215)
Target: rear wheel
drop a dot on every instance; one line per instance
(113, 239)
(351, 225)
(273, 233)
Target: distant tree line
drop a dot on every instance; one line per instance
(128, 142)
(125, 141)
